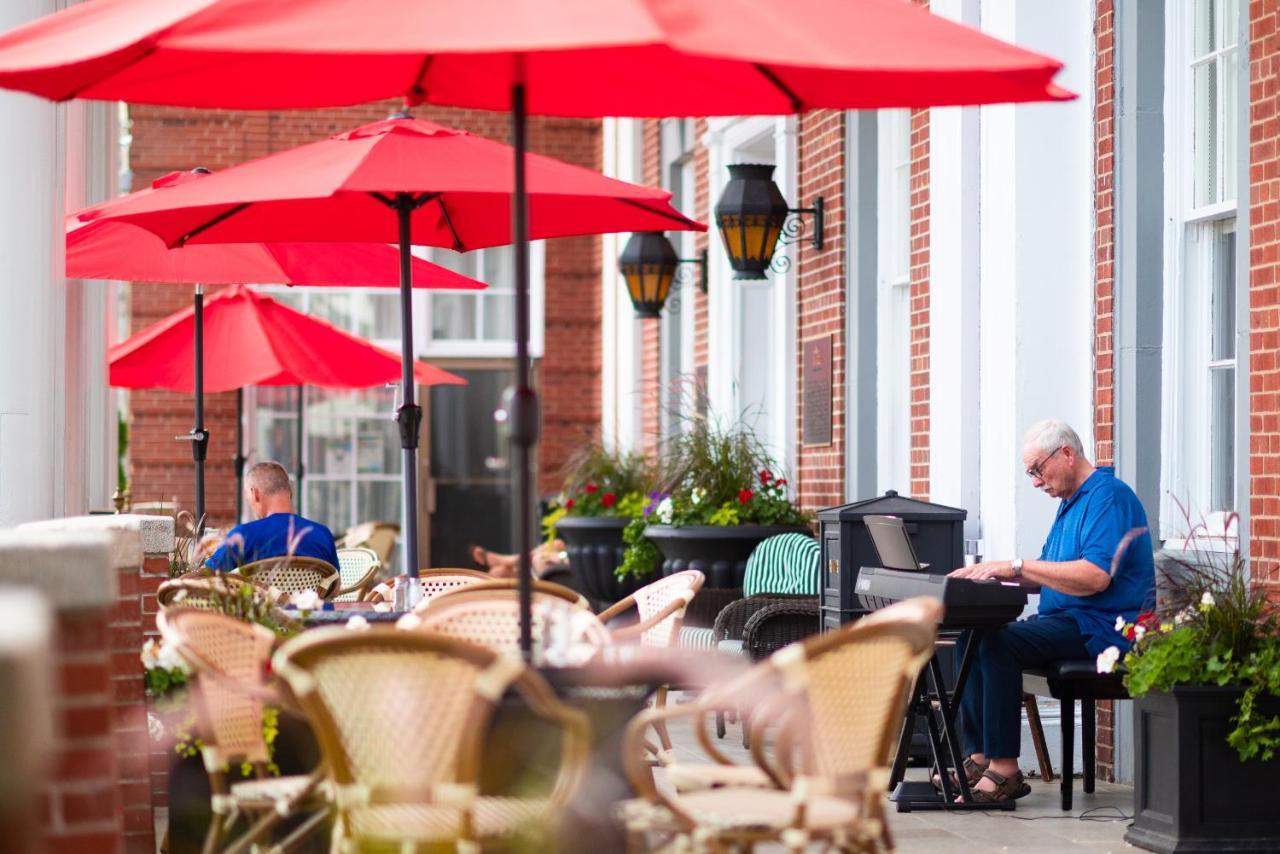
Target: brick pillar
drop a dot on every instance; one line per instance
(73, 573)
(26, 734)
(139, 559)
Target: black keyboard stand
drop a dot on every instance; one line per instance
(931, 700)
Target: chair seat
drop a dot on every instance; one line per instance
(269, 790)
(691, 777)
(743, 809)
(1079, 678)
(494, 818)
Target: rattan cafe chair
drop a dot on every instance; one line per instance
(491, 618)
(401, 717)
(293, 574)
(509, 585)
(850, 688)
(431, 583)
(229, 659)
(357, 569)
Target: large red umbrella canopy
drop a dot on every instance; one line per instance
(251, 339)
(111, 250)
(338, 189)
(576, 57)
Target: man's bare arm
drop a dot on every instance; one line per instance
(1073, 577)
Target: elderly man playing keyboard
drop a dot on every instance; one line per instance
(1096, 565)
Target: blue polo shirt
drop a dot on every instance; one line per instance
(269, 537)
(1090, 525)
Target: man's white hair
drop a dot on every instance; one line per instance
(269, 478)
(1051, 434)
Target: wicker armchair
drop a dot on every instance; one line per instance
(431, 583)
(294, 574)
(510, 585)
(401, 718)
(847, 691)
(190, 591)
(492, 618)
(357, 568)
(229, 659)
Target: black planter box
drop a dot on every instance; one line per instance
(595, 550)
(1191, 791)
(718, 552)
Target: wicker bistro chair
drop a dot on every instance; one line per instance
(846, 692)
(511, 585)
(401, 718)
(357, 568)
(294, 574)
(431, 583)
(491, 618)
(229, 658)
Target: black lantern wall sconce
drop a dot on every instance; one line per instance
(753, 217)
(650, 267)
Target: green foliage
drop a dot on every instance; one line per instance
(600, 483)
(245, 602)
(641, 557)
(122, 449)
(1226, 634)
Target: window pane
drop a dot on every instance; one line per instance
(1230, 22)
(377, 446)
(329, 503)
(291, 297)
(328, 434)
(376, 314)
(499, 317)
(1224, 294)
(500, 268)
(468, 264)
(378, 500)
(1230, 76)
(1205, 27)
(453, 317)
(1205, 143)
(1222, 438)
(333, 307)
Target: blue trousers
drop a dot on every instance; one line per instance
(991, 708)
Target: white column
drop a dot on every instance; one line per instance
(1036, 304)
(620, 391)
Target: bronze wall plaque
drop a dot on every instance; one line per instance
(817, 392)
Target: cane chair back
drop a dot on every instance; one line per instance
(491, 618)
(357, 568)
(401, 718)
(511, 585)
(380, 537)
(431, 583)
(203, 591)
(661, 607)
(293, 574)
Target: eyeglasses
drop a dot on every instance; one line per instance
(1036, 472)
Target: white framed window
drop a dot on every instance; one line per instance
(676, 332)
(479, 323)
(893, 357)
(1202, 64)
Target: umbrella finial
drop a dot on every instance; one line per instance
(201, 170)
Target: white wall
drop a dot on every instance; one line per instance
(621, 400)
(56, 418)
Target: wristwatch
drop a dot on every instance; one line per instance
(1016, 566)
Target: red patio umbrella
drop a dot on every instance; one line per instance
(571, 57)
(251, 339)
(111, 250)
(402, 178)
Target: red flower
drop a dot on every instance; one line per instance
(568, 505)
(608, 500)
(591, 488)
(745, 495)
(765, 477)
(1148, 620)
(782, 481)
(1128, 632)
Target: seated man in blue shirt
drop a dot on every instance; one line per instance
(277, 530)
(1096, 565)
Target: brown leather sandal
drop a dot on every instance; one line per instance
(1007, 788)
(972, 773)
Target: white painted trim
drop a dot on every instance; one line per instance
(621, 335)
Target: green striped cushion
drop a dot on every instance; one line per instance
(786, 563)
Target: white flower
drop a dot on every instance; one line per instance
(1138, 632)
(357, 624)
(1182, 616)
(275, 593)
(306, 600)
(697, 495)
(1120, 623)
(1207, 601)
(155, 728)
(409, 622)
(1107, 659)
(150, 652)
(664, 510)
(161, 655)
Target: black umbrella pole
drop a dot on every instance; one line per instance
(239, 459)
(409, 416)
(524, 415)
(301, 435)
(199, 438)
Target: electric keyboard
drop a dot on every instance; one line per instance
(967, 604)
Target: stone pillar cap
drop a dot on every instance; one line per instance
(133, 536)
(72, 569)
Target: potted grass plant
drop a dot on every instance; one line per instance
(1204, 672)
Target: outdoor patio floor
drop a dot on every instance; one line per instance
(1096, 823)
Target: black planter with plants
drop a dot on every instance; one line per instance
(719, 552)
(1192, 791)
(595, 548)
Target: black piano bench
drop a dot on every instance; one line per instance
(1068, 681)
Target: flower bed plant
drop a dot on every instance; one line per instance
(600, 483)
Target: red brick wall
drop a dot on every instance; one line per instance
(651, 335)
(165, 139)
(1264, 294)
(919, 294)
(820, 293)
